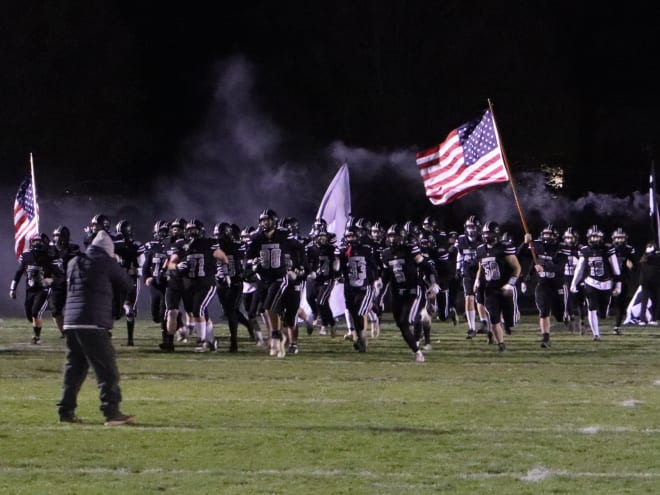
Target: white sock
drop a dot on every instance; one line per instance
(471, 317)
(593, 323)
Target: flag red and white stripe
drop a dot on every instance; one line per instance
(468, 159)
(26, 216)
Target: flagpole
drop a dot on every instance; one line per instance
(34, 188)
(511, 181)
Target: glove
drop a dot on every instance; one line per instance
(528, 238)
(182, 266)
(574, 289)
(523, 287)
(292, 275)
(433, 290)
(12, 294)
(47, 282)
(149, 281)
(378, 284)
(507, 288)
(617, 289)
(311, 276)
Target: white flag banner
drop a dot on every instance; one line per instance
(335, 206)
(335, 209)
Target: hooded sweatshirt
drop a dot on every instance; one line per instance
(92, 279)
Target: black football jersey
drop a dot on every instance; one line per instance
(495, 270)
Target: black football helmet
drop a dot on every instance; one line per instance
(99, 222)
(246, 233)
(490, 232)
(194, 229)
(268, 220)
(549, 234)
(39, 241)
(395, 235)
(351, 235)
(619, 237)
(161, 229)
(222, 230)
(570, 236)
(472, 226)
(377, 232)
(61, 236)
(594, 236)
(125, 229)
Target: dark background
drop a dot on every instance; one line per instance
(145, 111)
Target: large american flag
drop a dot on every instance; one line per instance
(26, 216)
(468, 159)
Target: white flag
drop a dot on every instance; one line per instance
(336, 203)
(335, 209)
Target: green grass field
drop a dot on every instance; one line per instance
(582, 417)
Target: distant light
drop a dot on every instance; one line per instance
(554, 176)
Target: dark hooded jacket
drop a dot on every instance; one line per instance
(92, 278)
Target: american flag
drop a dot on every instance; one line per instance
(468, 159)
(26, 216)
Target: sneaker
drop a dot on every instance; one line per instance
(419, 357)
(233, 347)
(70, 419)
(427, 347)
(490, 340)
(454, 316)
(119, 419)
(167, 347)
(130, 343)
(501, 347)
(260, 344)
(653, 323)
(470, 333)
(310, 327)
(323, 331)
(545, 345)
(507, 330)
(617, 331)
(293, 349)
(333, 332)
(483, 328)
(205, 347)
(348, 336)
(597, 338)
(36, 340)
(181, 336)
(359, 345)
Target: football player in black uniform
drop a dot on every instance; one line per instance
(498, 272)
(453, 279)
(466, 267)
(153, 273)
(229, 281)
(128, 251)
(251, 303)
(174, 291)
(322, 277)
(194, 257)
(547, 264)
(379, 245)
(359, 270)
(42, 269)
(62, 248)
(625, 254)
(598, 268)
(404, 270)
(97, 223)
(574, 304)
(266, 256)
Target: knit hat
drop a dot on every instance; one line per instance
(103, 240)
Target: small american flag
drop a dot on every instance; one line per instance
(26, 216)
(469, 158)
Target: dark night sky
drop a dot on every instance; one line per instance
(115, 90)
